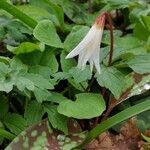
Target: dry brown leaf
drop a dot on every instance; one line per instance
(127, 139)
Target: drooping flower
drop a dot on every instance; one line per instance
(89, 48)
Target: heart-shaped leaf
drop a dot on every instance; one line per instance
(87, 105)
(45, 32)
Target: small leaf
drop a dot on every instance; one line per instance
(23, 83)
(112, 79)
(87, 105)
(49, 59)
(80, 75)
(42, 94)
(25, 47)
(15, 123)
(140, 63)
(45, 32)
(39, 81)
(57, 120)
(33, 113)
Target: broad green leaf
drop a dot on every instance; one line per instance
(15, 123)
(45, 32)
(6, 85)
(4, 105)
(49, 59)
(26, 47)
(39, 81)
(141, 32)
(41, 70)
(17, 31)
(46, 58)
(140, 63)
(42, 94)
(36, 13)
(146, 21)
(33, 113)
(128, 45)
(66, 64)
(75, 36)
(112, 79)
(57, 120)
(57, 97)
(17, 65)
(80, 75)
(23, 83)
(55, 10)
(86, 106)
(74, 11)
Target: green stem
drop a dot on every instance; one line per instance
(13, 10)
(125, 114)
(6, 134)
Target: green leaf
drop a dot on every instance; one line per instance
(15, 123)
(74, 11)
(140, 63)
(39, 81)
(146, 21)
(128, 45)
(6, 134)
(53, 9)
(57, 97)
(146, 138)
(57, 120)
(34, 12)
(140, 31)
(41, 70)
(42, 94)
(23, 83)
(74, 38)
(80, 75)
(66, 65)
(34, 112)
(3, 106)
(81, 108)
(112, 79)
(110, 122)
(45, 32)
(26, 47)
(141, 84)
(49, 59)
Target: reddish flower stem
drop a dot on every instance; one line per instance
(109, 19)
(110, 107)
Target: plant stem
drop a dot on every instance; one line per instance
(90, 84)
(13, 10)
(108, 17)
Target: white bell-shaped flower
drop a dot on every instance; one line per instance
(89, 48)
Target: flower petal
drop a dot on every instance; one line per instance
(90, 35)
